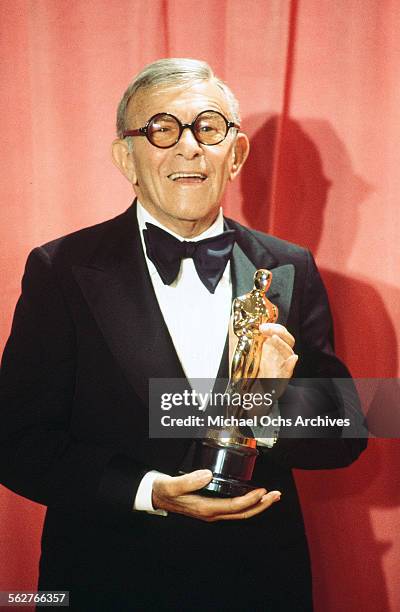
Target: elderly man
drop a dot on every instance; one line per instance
(105, 309)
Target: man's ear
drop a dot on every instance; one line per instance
(123, 159)
(240, 152)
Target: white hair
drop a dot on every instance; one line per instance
(172, 72)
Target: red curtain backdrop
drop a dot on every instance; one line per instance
(319, 89)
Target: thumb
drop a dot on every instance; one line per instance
(180, 485)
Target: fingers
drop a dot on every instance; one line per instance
(289, 365)
(236, 508)
(218, 506)
(278, 359)
(265, 502)
(275, 329)
(283, 348)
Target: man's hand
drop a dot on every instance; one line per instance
(175, 494)
(278, 358)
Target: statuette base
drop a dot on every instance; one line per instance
(231, 463)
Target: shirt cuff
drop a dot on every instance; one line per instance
(268, 435)
(143, 499)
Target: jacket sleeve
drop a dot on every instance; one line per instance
(39, 457)
(322, 387)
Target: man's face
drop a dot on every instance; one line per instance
(161, 177)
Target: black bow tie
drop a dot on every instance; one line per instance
(210, 255)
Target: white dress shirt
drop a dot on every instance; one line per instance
(197, 321)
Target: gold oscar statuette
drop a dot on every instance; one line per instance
(228, 453)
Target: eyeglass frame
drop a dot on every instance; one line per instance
(143, 131)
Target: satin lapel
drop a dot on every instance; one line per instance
(281, 290)
(242, 271)
(118, 289)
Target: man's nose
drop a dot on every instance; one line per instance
(188, 145)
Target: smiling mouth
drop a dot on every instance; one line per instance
(187, 177)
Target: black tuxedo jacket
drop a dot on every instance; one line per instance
(86, 337)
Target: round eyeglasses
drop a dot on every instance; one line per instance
(164, 130)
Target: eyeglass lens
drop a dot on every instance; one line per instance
(209, 128)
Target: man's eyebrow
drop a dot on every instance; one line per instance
(195, 113)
